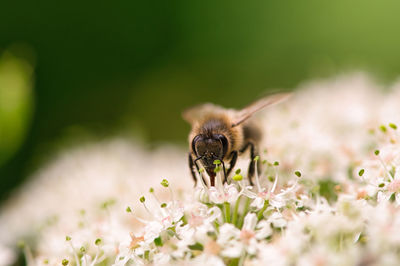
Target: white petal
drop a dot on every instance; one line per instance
(250, 222)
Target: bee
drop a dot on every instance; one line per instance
(223, 134)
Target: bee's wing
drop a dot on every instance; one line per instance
(249, 110)
(197, 112)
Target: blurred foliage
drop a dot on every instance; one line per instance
(133, 66)
(16, 103)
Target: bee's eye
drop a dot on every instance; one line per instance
(224, 143)
(194, 141)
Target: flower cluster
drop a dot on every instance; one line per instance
(327, 192)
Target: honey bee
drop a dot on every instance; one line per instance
(224, 134)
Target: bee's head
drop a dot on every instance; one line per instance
(209, 149)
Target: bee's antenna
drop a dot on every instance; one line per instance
(198, 158)
(198, 169)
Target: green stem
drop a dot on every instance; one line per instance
(227, 207)
(235, 211)
(216, 224)
(242, 258)
(245, 211)
(261, 212)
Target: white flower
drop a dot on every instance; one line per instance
(152, 230)
(161, 258)
(344, 210)
(207, 259)
(258, 198)
(277, 220)
(260, 229)
(201, 194)
(228, 193)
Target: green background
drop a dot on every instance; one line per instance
(131, 67)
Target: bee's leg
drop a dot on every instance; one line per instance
(225, 175)
(232, 163)
(252, 164)
(191, 165)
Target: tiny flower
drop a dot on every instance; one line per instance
(152, 231)
(212, 247)
(135, 241)
(229, 194)
(277, 220)
(201, 194)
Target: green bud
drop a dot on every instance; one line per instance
(217, 162)
(201, 170)
(45, 261)
(264, 161)
(237, 171)
(297, 173)
(128, 209)
(376, 152)
(163, 205)
(276, 163)
(97, 241)
(108, 203)
(68, 238)
(142, 199)
(361, 172)
(237, 177)
(151, 190)
(83, 249)
(383, 128)
(82, 212)
(393, 126)
(217, 169)
(164, 183)
(64, 262)
(256, 158)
